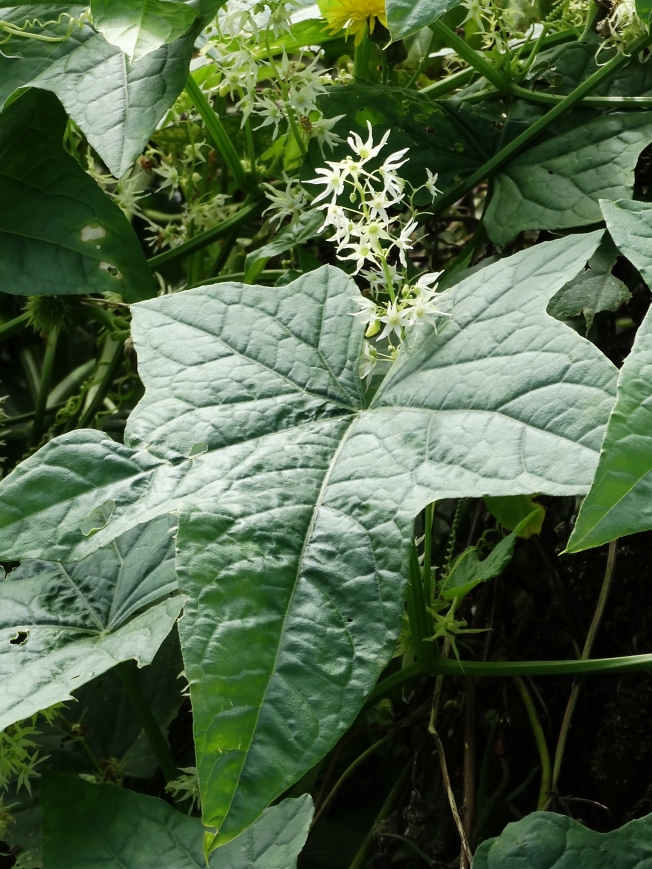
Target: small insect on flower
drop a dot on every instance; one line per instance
(353, 15)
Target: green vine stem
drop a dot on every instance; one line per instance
(45, 385)
(106, 371)
(219, 135)
(246, 213)
(421, 627)
(586, 653)
(540, 739)
(346, 774)
(150, 725)
(474, 58)
(13, 327)
(386, 810)
(520, 142)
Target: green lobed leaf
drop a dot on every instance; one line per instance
(468, 570)
(405, 18)
(620, 500)
(113, 732)
(593, 290)
(297, 507)
(86, 825)
(544, 840)
(63, 624)
(59, 233)
(116, 104)
(557, 183)
(139, 27)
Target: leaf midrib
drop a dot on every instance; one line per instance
(282, 631)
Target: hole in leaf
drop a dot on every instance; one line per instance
(198, 449)
(97, 518)
(20, 638)
(111, 269)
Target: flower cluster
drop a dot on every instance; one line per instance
(376, 229)
(623, 24)
(267, 85)
(181, 175)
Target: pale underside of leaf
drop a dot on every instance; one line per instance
(295, 524)
(139, 27)
(62, 625)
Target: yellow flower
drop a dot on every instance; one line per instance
(352, 15)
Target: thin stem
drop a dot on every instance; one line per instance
(13, 327)
(429, 515)
(422, 64)
(520, 142)
(225, 251)
(45, 385)
(466, 849)
(540, 738)
(244, 215)
(469, 54)
(252, 150)
(386, 809)
(288, 108)
(469, 764)
(217, 132)
(295, 129)
(150, 725)
(26, 417)
(598, 102)
(384, 66)
(346, 774)
(586, 654)
(101, 388)
(448, 84)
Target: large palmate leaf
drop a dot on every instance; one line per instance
(405, 18)
(115, 103)
(620, 500)
(86, 826)
(63, 624)
(557, 184)
(297, 502)
(139, 27)
(59, 233)
(544, 840)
